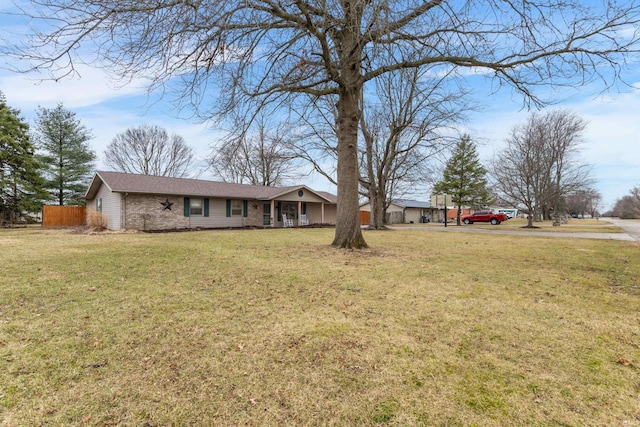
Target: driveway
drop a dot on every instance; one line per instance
(631, 234)
(630, 226)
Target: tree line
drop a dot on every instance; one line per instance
(50, 164)
(627, 206)
(53, 163)
(539, 171)
(231, 61)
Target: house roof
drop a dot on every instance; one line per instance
(331, 197)
(121, 182)
(412, 203)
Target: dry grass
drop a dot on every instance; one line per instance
(573, 226)
(519, 224)
(274, 327)
(97, 221)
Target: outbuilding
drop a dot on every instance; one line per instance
(403, 211)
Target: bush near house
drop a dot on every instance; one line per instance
(96, 220)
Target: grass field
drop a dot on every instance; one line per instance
(275, 327)
(519, 224)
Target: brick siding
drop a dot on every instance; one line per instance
(144, 212)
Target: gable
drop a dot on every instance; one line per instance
(301, 194)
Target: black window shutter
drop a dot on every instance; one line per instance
(245, 208)
(186, 206)
(206, 207)
(228, 207)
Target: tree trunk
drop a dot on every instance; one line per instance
(348, 44)
(348, 230)
(376, 222)
(374, 184)
(530, 221)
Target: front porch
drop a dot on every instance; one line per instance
(301, 213)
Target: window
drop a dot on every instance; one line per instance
(195, 207)
(236, 208)
(99, 205)
(290, 209)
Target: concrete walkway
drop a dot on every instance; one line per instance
(630, 226)
(631, 234)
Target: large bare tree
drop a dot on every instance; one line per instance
(401, 134)
(255, 54)
(149, 150)
(405, 123)
(261, 156)
(628, 206)
(584, 202)
(540, 165)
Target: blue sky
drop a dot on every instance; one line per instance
(612, 138)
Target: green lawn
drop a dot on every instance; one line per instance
(275, 327)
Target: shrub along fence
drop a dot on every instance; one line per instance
(63, 216)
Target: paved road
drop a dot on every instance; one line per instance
(630, 226)
(631, 234)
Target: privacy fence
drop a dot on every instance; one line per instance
(64, 216)
(365, 217)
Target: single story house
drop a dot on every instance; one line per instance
(146, 202)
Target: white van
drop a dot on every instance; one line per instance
(511, 213)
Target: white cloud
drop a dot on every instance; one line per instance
(106, 123)
(91, 88)
(101, 107)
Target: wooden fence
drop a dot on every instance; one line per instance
(365, 217)
(64, 216)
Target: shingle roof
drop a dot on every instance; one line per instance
(331, 197)
(121, 182)
(412, 203)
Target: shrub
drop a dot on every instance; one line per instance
(97, 220)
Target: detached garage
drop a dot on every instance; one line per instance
(404, 212)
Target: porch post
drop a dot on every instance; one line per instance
(322, 212)
(299, 211)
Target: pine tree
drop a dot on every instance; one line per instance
(464, 177)
(21, 185)
(68, 160)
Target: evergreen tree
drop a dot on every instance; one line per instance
(66, 155)
(21, 185)
(464, 177)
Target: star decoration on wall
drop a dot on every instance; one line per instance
(167, 204)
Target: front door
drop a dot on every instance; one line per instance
(266, 214)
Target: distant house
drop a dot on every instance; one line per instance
(403, 211)
(145, 202)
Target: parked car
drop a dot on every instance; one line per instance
(484, 216)
(511, 212)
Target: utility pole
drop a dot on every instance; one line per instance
(445, 210)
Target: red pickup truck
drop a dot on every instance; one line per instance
(484, 216)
